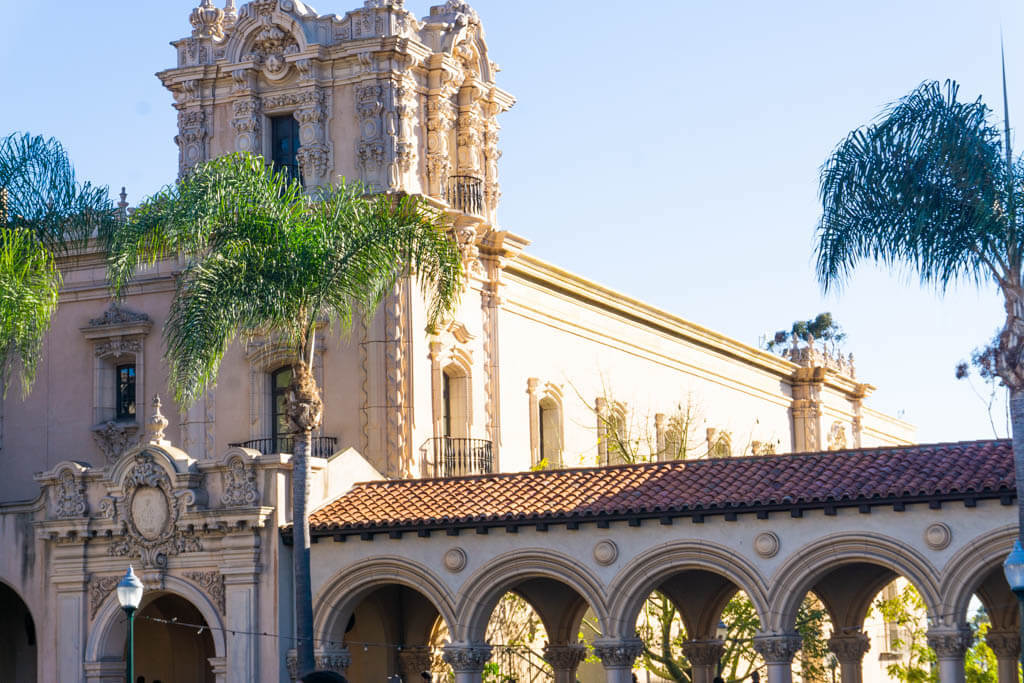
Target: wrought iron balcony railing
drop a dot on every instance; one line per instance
(466, 194)
(448, 456)
(319, 446)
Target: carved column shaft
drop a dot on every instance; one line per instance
(1006, 646)
(564, 659)
(777, 650)
(950, 645)
(704, 656)
(849, 651)
(617, 656)
(467, 660)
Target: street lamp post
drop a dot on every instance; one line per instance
(129, 594)
(1013, 568)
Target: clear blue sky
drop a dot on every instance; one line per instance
(667, 149)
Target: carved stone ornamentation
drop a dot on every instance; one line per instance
(837, 437)
(99, 588)
(212, 583)
(564, 657)
(618, 654)
(455, 560)
(413, 661)
(268, 50)
(766, 544)
(69, 496)
(117, 346)
(149, 513)
(466, 658)
(191, 139)
(938, 536)
(606, 552)
(370, 151)
(114, 438)
(1005, 644)
(778, 649)
(117, 315)
(951, 644)
(239, 482)
(703, 652)
(247, 122)
(849, 648)
(156, 424)
(207, 21)
(335, 659)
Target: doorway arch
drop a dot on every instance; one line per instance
(18, 633)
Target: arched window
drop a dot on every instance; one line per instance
(280, 380)
(550, 427)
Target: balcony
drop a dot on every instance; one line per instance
(448, 456)
(320, 446)
(465, 193)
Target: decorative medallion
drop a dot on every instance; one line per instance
(605, 552)
(766, 544)
(149, 513)
(69, 496)
(938, 536)
(239, 482)
(455, 560)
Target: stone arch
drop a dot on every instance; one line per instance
(662, 562)
(813, 561)
(966, 570)
(107, 634)
(339, 597)
(19, 658)
(482, 591)
(248, 27)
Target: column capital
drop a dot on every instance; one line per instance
(1006, 644)
(850, 646)
(563, 657)
(703, 652)
(618, 653)
(778, 648)
(466, 657)
(415, 660)
(950, 643)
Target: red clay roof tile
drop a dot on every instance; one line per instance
(685, 487)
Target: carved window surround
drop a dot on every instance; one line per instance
(546, 414)
(449, 354)
(265, 356)
(117, 337)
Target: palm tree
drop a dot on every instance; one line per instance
(266, 259)
(933, 187)
(44, 212)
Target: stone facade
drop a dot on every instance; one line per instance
(404, 104)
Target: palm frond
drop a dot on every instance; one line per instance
(923, 187)
(29, 285)
(44, 197)
(263, 257)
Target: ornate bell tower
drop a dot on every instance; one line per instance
(400, 103)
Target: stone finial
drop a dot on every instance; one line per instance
(207, 21)
(156, 424)
(230, 15)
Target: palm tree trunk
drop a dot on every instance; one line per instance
(300, 555)
(1017, 425)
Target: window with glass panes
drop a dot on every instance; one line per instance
(284, 141)
(281, 430)
(125, 399)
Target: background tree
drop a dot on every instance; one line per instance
(933, 188)
(822, 328)
(44, 212)
(263, 258)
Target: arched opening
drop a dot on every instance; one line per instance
(549, 423)
(18, 636)
(388, 635)
(696, 625)
(168, 646)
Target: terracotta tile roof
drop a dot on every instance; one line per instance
(963, 470)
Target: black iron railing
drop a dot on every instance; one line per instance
(466, 194)
(448, 456)
(320, 446)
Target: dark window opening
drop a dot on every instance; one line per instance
(125, 392)
(446, 404)
(281, 379)
(284, 141)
